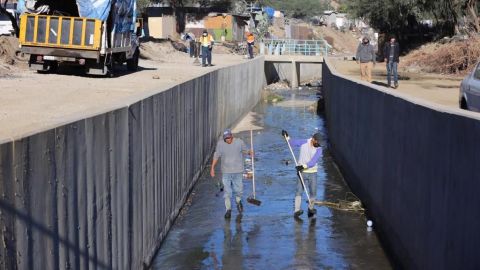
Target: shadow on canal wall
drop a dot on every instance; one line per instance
(102, 192)
(414, 165)
(275, 72)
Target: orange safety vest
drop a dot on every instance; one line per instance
(250, 38)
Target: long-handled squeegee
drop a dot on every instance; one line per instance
(299, 173)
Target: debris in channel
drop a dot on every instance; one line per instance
(351, 203)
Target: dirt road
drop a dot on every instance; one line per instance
(441, 89)
(32, 102)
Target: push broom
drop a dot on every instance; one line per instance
(251, 199)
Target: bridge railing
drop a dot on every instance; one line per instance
(295, 47)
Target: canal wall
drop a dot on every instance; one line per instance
(278, 71)
(102, 192)
(414, 164)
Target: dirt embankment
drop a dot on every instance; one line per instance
(342, 42)
(160, 51)
(10, 60)
(448, 56)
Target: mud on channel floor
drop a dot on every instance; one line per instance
(267, 236)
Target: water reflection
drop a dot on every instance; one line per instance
(268, 236)
(233, 244)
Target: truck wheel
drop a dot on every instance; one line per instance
(50, 67)
(111, 69)
(132, 63)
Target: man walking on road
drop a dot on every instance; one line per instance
(206, 41)
(310, 153)
(366, 58)
(391, 52)
(231, 151)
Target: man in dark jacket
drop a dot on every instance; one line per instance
(391, 53)
(366, 58)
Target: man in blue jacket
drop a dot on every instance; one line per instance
(310, 153)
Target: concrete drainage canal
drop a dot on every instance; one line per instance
(268, 236)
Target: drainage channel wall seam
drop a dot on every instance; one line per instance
(414, 165)
(102, 192)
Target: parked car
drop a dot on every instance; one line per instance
(6, 27)
(470, 91)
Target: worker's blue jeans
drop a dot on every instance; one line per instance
(392, 71)
(250, 51)
(234, 180)
(206, 56)
(311, 183)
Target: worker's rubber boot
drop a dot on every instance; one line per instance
(238, 200)
(298, 212)
(228, 207)
(240, 207)
(228, 213)
(312, 213)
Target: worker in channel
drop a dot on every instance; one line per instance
(310, 153)
(230, 150)
(250, 44)
(206, 41)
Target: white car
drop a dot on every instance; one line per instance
(6, 27)
(470, 91)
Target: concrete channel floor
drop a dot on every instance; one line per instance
(267, 236)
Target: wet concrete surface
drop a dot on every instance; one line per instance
(267, 236)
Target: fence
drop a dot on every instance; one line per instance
(295, 47)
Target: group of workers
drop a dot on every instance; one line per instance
(206, 42)
(231, 151)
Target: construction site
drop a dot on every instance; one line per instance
(108, 141)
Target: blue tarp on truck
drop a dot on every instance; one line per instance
(124, 11)
(98, 9)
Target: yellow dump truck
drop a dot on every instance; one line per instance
(96, 37)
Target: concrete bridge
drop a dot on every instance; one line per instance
(293, 68)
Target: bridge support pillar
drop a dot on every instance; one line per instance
(295, 70)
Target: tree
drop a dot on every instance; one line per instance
(401, 15)
(299, 8)
(471, 11)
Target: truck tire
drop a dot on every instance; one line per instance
(132, 63)
(49, 67)
(110, 67)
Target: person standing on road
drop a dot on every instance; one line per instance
(190, 38)
(391, 53)
(310, 153)
(366, 58)
(231, 151)
(250, 44)
(206, 41)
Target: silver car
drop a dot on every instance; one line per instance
(470, 91)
